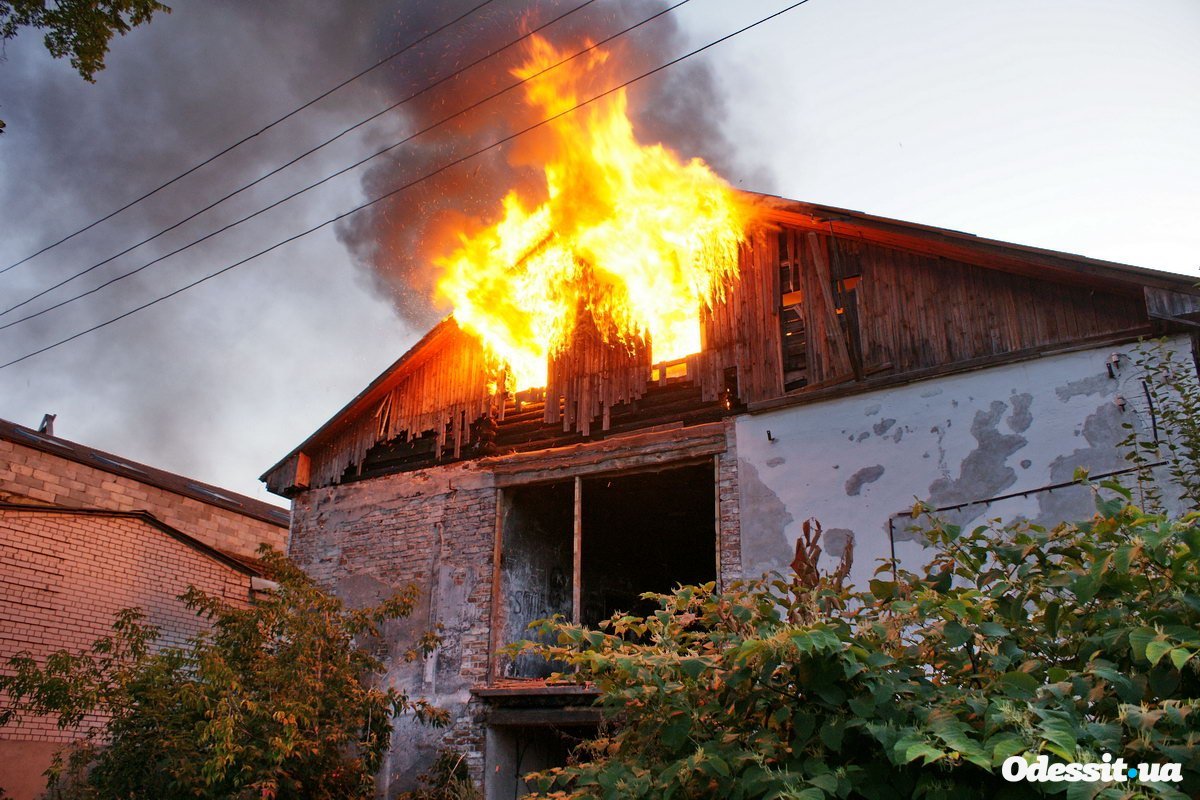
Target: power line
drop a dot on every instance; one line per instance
(408, 185)
(281, 167)
(333, 175)
(259, 132)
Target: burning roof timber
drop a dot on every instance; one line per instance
(872, 300)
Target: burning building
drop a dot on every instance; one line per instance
(651, 379)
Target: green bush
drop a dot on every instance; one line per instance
(1015, 640)
(273, 702)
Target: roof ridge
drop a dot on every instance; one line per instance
(144, 473)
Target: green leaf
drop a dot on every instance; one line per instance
(718, 764)
(1085, 586)
(832, 733)
(921, 749)
(1052, 614)
(1083, 791)
(1139, 639)
(862, 706)
(810, 793)
(1180, 656)
(955, 634)
(693, 667)
(882, 589)
(1156, 649)
(1060, 737)
(827, 783)
(1006, 745)
(1192, 537)
(994, 629)
(1020, 685)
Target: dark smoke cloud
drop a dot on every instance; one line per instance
(225, 379)
(394, 241)
(168, 384)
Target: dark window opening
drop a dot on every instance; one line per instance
(536, 566)
(791, 314)
(516, 751)
(638, 532)
(645, 532)
(819, 310)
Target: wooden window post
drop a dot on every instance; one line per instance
(577, 549)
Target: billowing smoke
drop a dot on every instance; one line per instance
(221, 381)
(395, 239)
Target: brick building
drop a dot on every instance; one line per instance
(84, 534)
(856, 363)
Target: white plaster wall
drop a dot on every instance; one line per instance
(854, 462)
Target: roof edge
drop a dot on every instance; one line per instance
(244, 567)
(374, 390)
(172, 482)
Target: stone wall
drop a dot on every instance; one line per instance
(433, 529)
(436, 529)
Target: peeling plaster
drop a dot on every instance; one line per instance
(863, 476)
(983, 473)
(762, 531)
(1097, 384)
(1103, 433)
(1020, 419)
(836, 540)
(966, 437)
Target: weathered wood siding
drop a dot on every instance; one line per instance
(741, 331)
(591, 376)
(445, 390)
(918, 312)
(868, 310)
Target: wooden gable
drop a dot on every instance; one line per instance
(826, 298)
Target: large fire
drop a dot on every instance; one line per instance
(628, 234)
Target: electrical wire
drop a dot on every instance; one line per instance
(424, 38)
(284, 166)
(336, 174)
(410, 184)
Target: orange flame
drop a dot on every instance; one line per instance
(628, 233)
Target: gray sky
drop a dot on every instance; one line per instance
(1068, 124)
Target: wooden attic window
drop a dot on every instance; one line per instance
(791, 314)
(819, 312)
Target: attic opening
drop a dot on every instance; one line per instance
(589, 547)
(819, 310)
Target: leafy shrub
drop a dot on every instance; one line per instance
(1172, 398)
(273, 702)
(447, 779)
(1015, 640)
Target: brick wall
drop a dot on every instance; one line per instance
(28, 474)
(63, 578)
(729, 531)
